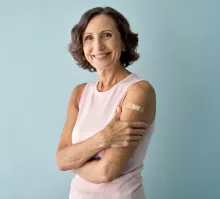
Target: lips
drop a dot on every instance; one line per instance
(101, 55)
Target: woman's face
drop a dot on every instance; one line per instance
(102, 44)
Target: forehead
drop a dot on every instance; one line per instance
(101, 22)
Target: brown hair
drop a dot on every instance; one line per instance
(129, 38)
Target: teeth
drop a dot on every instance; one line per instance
(100, 56)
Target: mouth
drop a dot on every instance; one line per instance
(101, 56)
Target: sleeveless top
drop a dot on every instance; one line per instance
(96, 109)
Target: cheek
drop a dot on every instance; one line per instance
(116, 45)
(86, 51)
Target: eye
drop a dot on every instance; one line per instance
(89, 37)
(106, 35)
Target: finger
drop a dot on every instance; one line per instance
(116, 145)
(134, 143)
(118, 112)
(136, 138)
(143, 125)
(129, 144)
(137, 132)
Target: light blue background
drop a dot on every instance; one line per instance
(180, 50)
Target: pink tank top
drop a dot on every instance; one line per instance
(96, 109)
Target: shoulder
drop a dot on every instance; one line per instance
(77, 92)
(142, 90)
(142, 94)
(79, 88)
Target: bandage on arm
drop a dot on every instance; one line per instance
(135, 107)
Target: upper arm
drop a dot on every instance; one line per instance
(71, 117)
(142, 94)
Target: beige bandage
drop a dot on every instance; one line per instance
(135, 107)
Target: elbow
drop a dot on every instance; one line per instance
(108, 178)
(64, 164)
(109, 172)
(60, 163)
(61, 167)
(99, 179)
(110, 175)
(103, 175)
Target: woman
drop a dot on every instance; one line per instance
(109, 122)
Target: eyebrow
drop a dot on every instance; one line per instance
(88, 33)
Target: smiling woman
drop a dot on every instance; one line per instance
(99, 27)
(102, 44)
(109, 122)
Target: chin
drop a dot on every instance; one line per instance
(101, 66)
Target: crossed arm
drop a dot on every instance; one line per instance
(109, 167)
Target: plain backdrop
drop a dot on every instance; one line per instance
(180, 50)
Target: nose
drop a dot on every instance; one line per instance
(98, 45)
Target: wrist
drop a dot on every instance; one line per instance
(104, 139)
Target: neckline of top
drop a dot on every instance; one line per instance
(103, 92)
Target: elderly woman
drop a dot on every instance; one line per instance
(109, 121)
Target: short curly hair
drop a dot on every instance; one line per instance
(129, 38)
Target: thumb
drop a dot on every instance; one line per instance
(118, 112)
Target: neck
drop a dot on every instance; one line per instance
(107, 79)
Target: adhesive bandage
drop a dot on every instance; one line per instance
(135, 107)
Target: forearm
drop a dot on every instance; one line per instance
(92, 171)
(74, 156)
(106, 169)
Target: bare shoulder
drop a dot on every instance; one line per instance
(77, 92)
(71, 117)
(142, 94)
(143, 88)
(80, 87)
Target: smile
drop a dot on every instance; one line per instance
(101, 56)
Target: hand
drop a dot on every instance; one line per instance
(118, 133)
